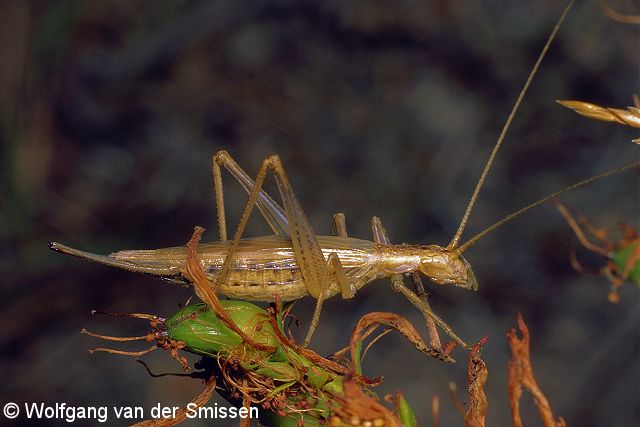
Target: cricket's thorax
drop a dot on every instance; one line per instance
(265, 266)
(398, 259)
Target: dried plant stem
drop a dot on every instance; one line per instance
(399, 323)
(477, 374)
(620, 17)
(521, 374)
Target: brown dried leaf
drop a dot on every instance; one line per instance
(357, 407)
(477, 374)
(373, 320)
(521, 374)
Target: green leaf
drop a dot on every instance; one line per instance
(405, 413)
(203, 333)
(621, 257)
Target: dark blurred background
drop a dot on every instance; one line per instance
(110, 112)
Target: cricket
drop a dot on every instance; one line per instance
(295, 262)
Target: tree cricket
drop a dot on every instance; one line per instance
(295, 262)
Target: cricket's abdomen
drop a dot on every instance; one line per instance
(264, 267)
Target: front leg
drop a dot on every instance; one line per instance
(419, 297)
(434, 338)
(397, 285)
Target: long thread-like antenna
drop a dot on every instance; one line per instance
(519, 212)
(507, 125)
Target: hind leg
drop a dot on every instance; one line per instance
(271, 211)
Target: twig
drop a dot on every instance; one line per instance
(521, 374)
(477, 374)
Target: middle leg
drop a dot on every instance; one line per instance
(334, 266)
(339, 225)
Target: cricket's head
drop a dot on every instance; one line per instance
(445, 267)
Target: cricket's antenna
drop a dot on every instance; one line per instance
(519, 212)
(507, 125)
